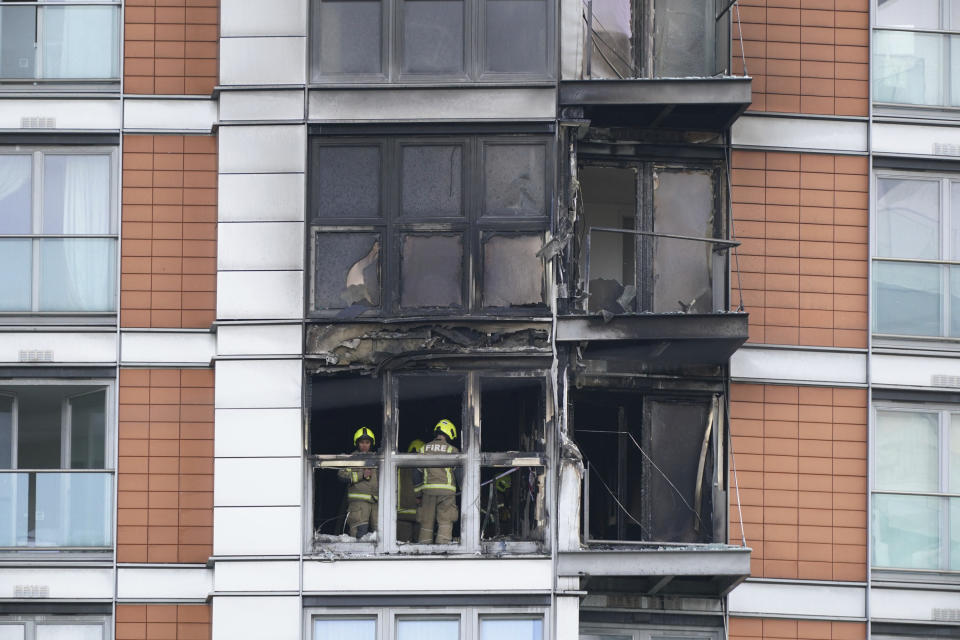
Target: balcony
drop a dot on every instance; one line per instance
(56, 509)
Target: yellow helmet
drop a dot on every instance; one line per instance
(415, 446)
(446, 427)
(364, 432)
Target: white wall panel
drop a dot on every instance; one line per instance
(262, 149)
(912, 139)
(60, 347)
(910, 604)
(800, 133)
(256, 531)
(256, 618)
(568, 618)
(173, 114)
(354, 105)
(258, 384)
(266, 339)
(257, 432)
(83, 115)
(259, 18)
(260, 246)
(262, 105)
(257, 482)
(275, 575)
(260, 197)
(912, 371)
(166, 347)
(164, 583)
(84, 583)
(251, 61)
(442, 575)
(801, 600)
(799, 365)
(572, 32)
(259, 295)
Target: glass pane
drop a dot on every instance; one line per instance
(73, 509)
(910, 14)
(431, 271)
(955, 220)
(350, 36)
(954, 15)
(347, 181)
(907, 299)
(80, 42)
(516, 36)
(428, 629)
(954, 310)
(432, 36)
(954, 534)
(39, 418)
(88, 431)
(78, 275)
(516, 629)
(907, 451)
(683, 202)
(512, 271)
(907, 68)
(76, 194)
(432, 178)
(362, 629)
(6, 433)
(954, 43)
(908, 218)
(514, 178)
(15, 189)
(16, 284)
(69, 632)
(347, 270)
(612, 40)
(11, 631)
(954, 470)
(18, 27)
(906, 531)
(683, 42)
(13, 508)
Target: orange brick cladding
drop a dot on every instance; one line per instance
(805, 56)
(766, 628)
(169, 229)
(170, 47)
(802, 221)
(165, 473)
(163, 622)
(801, 460)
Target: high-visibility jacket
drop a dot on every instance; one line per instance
(360, 488)
(437, 479)
(406, 494)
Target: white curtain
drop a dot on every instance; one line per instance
(80, 42)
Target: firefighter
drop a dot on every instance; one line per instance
(436, 488)
(363, 488)
(407, 499)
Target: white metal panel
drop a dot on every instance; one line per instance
(415, 104)
(257, 432)
(262, 149)
(266, 339)
(239, 531)
(277, 104)
(800, 600)
(259, 18)
(260, 246)
(799, 365)
(257, 482)
(173, 114)
(275, 575)
(443, 575)
(166, 347)
(80, 583)
(568, 618)
(261, 197)
(92, 115)
(912, 139)
(256, 618)
(912, 371)
(800, 133)
(259, 295)
(910, 604)
(258, 384)
(59, 347)
(252, 61)
(572, 36)
(160, 582)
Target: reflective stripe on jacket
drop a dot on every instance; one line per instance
(360, 488)
(437, 478)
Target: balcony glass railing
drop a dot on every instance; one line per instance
(56, 509)
(59, 42)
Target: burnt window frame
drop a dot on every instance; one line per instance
(473, 226)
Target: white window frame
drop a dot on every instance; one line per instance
(387, 617)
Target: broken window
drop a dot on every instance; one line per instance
(392, 231)
(425, 400)
(649, 465)
(512, 507)
(512, 414)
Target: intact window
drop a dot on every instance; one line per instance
(438, 623)
(53, 627)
